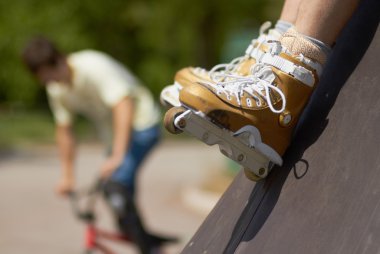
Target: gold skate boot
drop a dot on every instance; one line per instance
(252, 117)
(187, 76)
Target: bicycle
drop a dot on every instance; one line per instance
(86, 214)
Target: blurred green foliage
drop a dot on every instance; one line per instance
(154, 38)
(23, 128)
(36, 127)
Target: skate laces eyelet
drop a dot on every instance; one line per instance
(259, 85)
(249, 103)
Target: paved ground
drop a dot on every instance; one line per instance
(171, 196)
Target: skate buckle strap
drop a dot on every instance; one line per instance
(298, 72)
(316, 66)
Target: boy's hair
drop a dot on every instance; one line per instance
(40, 51)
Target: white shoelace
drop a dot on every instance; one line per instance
(225, 68)
(258, 84)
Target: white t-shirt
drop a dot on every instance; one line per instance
(98, 83)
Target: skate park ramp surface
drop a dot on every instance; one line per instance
(326, 196)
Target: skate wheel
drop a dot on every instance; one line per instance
(251, 176)
(169, 118)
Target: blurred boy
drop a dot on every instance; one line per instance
(93, 84)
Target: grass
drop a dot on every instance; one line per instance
(22, 128)
(36, 127)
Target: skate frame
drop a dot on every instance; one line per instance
(197, 125)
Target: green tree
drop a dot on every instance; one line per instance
(153, 38)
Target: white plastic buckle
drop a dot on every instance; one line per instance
(298, 72)
(304, 75)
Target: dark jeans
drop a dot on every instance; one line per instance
(139, 147)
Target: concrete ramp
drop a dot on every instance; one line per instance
(326, 196)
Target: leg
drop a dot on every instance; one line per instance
(289, 11)
(317, 26)
(129, 222)
(119, 191)
(324, 19)
(140, 145)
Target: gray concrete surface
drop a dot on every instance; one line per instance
(33, 219)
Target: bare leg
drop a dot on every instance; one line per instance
(290, 10)
(324, 19)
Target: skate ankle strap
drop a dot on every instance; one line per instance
(300, 73)
(314, 65)
(276, 48)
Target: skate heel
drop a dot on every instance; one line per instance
(244, 146)
(169, 96)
